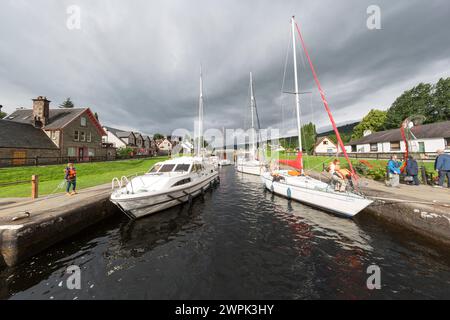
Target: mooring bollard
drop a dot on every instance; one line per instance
(34, 186)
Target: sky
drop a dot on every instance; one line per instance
(136, 63)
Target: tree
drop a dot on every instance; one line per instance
(158, 136)
(124, 152)
(2, 114)
(67, 104)
(417, 101)
(309, 137)
(440, 107)
(373, 121)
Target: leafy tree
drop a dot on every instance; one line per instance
(309, 137)
(440, 107)
(67, 104)
(373, 121)
(417, 101)
(158, 136)
(124, 152)
(2, 114)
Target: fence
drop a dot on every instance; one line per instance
(36, 161)
(34, 185)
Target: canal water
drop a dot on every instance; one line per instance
(239, 242)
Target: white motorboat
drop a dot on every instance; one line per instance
(294, 184)
(248, 162)
(167, 184)
(224, 162)
(249, 166)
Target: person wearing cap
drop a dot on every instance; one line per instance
(442, 166)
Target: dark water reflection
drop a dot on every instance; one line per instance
(240, 242)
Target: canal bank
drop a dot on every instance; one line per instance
(420, 209)
(28, 227)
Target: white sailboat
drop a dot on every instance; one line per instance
(248, 161)
(305, 189)
(167, 183)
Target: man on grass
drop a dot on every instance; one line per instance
(71, 178)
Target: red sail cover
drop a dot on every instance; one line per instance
(297, 163)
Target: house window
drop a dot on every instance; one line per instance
(395, 146)
(53, 135)
(374, 147)
(325, 142)
(91, 152)
(89, 137)
(76, 136)
(83, 136)
(83, 121)
(71, 152)
(353, 148)
(447, 143)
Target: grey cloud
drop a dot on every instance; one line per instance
(136, 63)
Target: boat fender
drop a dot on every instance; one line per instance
(189, 199)
(289, 194)
(271, 188)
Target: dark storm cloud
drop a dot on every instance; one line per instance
(137, 63)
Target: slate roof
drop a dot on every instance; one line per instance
(426, 131)
(57, 120)
(22, 135)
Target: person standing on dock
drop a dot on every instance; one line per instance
(442, 166)
(71, 178)
(393, 169)
(412, 170)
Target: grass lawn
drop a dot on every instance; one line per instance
(88, 175)
(315, 162)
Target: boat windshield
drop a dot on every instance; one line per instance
(155, 168)
(167, 168)
(182, 167)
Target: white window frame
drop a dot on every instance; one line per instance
(76, 135)
(89, 137)
(83, 121)
(82, 136)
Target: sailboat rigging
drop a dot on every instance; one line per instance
(303, 188)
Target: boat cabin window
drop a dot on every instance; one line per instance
(182, 167)
(155, 168)
(181, 182)
(167, 168)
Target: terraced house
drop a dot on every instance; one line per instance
(74, 132)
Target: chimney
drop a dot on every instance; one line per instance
(41, 111)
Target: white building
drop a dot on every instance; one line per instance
(325, 146)
(428, 139)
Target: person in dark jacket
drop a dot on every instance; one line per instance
(412, 170)
(442, 166)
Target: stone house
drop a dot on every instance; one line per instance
(75, 132)
(23, 144)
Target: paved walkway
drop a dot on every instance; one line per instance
(17, 207)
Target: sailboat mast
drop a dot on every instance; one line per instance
(252, 109)
(297, 95)
(200, 117)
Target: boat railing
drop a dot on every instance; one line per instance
(127, 182)
(113, 185)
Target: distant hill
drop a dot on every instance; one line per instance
(344, 129)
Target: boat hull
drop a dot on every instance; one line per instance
(342, 204)
(250, 167)
(142, 206)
